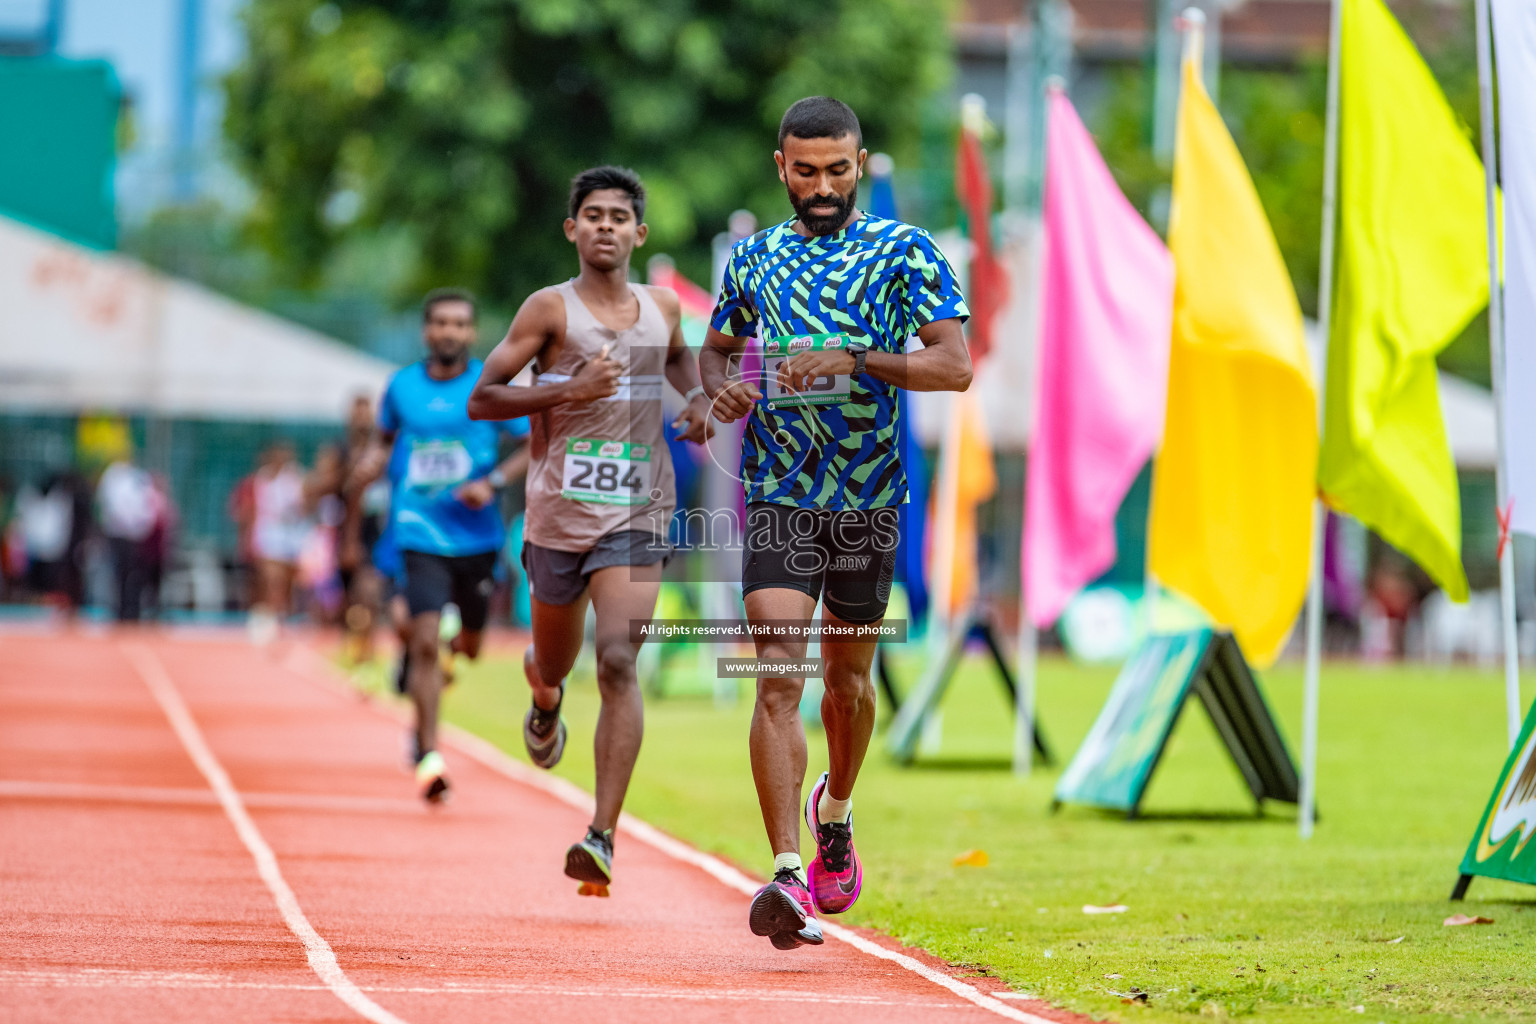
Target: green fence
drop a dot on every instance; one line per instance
(203, 459)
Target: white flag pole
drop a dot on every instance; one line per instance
(1496, 353)
(1307, 815)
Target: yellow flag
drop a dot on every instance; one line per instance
(1232, 489)
(1413, 269)
(976, 482)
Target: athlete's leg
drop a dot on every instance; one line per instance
(428, 587)
(399, 611)
(778, 737)
(425, 678)
(620, 594)
(857, 587)
(557, 636)
(474, 582)
(468, 643)
(282, 602)
(400, 618)
(848, 706)
(368, 596)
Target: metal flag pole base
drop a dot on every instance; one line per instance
(907, 728)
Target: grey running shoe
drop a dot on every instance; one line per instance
(590, 862)
(544, 735)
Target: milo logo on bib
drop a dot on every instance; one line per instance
(824, 390)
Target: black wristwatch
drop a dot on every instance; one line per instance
(858, 350)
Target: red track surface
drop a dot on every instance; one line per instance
(127, 894)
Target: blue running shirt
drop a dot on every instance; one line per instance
(437, 448)
(876, 281)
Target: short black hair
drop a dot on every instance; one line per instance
(820, 117)
(437, 295)
(608, 176)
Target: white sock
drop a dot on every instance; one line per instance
(829, 810)
(790, 861)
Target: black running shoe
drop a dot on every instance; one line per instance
(590, 862)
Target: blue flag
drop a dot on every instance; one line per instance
(914, 514)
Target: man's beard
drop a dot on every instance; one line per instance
(446, 358)
(824, 224)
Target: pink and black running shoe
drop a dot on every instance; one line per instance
(835, 872)
(783, 911)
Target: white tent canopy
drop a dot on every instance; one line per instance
(1470, 425)
(83, 330)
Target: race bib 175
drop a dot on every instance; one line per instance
(829, 390)
(438, 463)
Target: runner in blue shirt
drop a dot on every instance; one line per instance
(446, 470)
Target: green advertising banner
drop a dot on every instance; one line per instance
(1502, 847)
(1115, 763)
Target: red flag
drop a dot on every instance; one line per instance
(989, 278)
(695, 301)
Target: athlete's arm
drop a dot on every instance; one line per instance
(942, 364)
(683, 372)
(731, 398)
(537, 332)
(481, 492)
(370, 466)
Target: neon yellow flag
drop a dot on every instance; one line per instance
(1413, 269)
(1232, 490)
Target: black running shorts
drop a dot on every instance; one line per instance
(846, 557)
(431, 581)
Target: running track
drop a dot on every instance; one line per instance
(191, 830)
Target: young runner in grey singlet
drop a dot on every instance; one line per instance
(600, 488)
(601, 468)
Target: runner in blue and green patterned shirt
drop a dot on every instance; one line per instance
(833, 294)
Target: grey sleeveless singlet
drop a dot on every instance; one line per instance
(620, 477)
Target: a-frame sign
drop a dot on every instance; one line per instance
(1502, 847)
(1114, 765)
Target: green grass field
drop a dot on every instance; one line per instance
(1229, 914)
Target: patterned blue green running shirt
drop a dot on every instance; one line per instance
(877, 282)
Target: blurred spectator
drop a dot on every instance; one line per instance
(242, 510)
(54, 525)
(129, 507)
(326, 514)
(161, 540)
(1391, 601)
(13, 547)
(365, 506)
(276, 527)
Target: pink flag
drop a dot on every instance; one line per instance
(1106, 324)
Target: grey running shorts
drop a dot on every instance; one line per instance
(559, 577)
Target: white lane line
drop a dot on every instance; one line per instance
(322, 960)
(97, 977)
(28, 789)
(494, 758)
(309, 664)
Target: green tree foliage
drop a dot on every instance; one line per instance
(461, 122)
